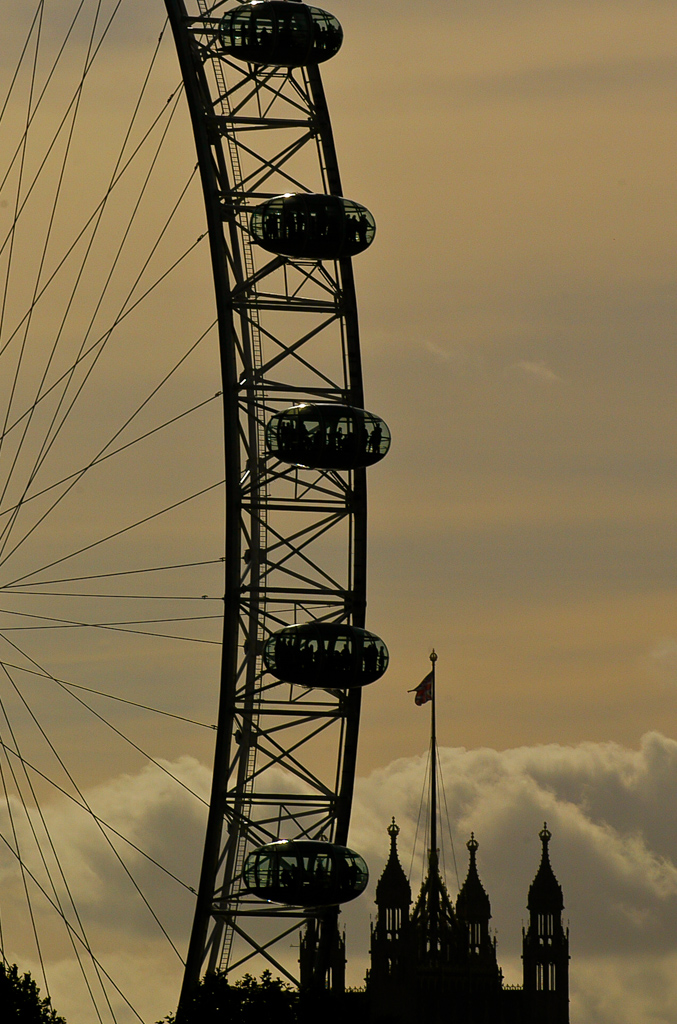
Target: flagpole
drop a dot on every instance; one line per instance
(433, 768)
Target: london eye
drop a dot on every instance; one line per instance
(137, 572)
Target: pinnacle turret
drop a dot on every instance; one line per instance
(393, 888)
(438, 964)
(472, 902)
(545, 892)
(545, 946)
(389, 977)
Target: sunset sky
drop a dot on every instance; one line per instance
(518, 312)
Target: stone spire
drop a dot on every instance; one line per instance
(393, 887)
(473, 910)
(389, 979)
(545, 892)
(433, 919)
(545, 946)
(472, 902)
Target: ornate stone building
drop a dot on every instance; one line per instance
(437, 964)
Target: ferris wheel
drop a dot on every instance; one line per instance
(113, 499)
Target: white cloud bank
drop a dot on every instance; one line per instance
(611, 811)
(614, 849)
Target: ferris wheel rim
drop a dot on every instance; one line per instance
(331, 592)
(223, 192)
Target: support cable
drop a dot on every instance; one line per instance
(104, 339)
(98, 459)
(91, 710)
(58, 132)
(48, 441)
(421, 805)
(70, 927)
(110, 575)
(48, 872)
(17, 69)
(101, 693)
(89, 221)
(12, 231)
(43, 257)
(451, 834)
(36, 290)
(84, 801)
(116, 533)
(56, 63)
(102, 821)
(16, 850)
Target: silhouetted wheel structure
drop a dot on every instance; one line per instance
(298, 442)
(120, 602)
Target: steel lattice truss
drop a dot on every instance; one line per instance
(295, 544)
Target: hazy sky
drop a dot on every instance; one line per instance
(518, 312)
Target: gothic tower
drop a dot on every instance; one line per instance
(389, 981)
(323, 943)
(437, 948)
(481, 980)
(545, 947)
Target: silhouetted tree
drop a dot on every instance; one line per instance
(333, 1008)
(249, 1001)
(20, 1001)
(246, 1001)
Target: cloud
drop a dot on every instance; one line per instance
(663, 659)
(444, 355)
(634, 988)
(537, 369)
(610, 809)
(460, 358)
(614, 834)
(160, 818)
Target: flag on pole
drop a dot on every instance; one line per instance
(424, 690)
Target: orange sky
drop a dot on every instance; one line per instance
(518, 312)
(521, 295)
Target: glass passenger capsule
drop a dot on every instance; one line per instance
(311, 225)
(305, 873)
(281, 34)
(327, 436)
(329, 655)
